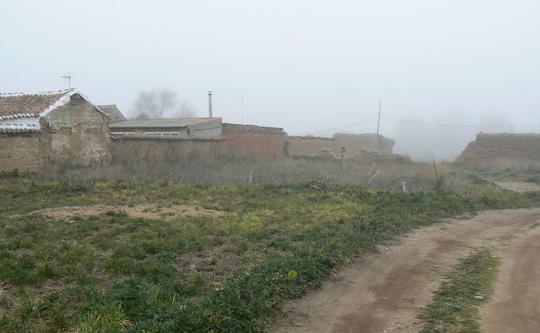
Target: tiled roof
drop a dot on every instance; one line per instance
(17, 105)
(112, 111)
(161, 123)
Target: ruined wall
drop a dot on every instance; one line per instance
(502, 151)
(19, 152)
(354, 144)
(254, 141)
(133, 151)
(359, 143)
(76, 134)
(311, 146)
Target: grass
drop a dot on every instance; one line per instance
(531, 175)
(455, 304)
(115, 273)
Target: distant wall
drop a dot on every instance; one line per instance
(19, 152)
(502, 151)
(349, 145)
(253, 141)
(311, 146)
(132, 151)
(358, 143)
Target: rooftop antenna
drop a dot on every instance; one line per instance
(67, 77)
(210, 104)
(241, 108)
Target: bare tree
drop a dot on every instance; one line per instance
(187, 109)
(160, 103)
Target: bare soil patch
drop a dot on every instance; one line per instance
(515, 305)
(387, 291)
(519, 186)
(147, 211)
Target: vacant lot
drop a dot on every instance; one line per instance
(172, 257)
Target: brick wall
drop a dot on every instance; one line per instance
(132, 151)
(254, 141)
(19, 152)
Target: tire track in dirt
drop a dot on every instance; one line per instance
(386, 291)
(515, 304)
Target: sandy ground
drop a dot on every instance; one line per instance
(148, 211)
(386, 292)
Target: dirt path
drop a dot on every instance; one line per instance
(515, 304)
(518, 186)
(386, 291)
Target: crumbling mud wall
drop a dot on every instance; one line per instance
(311, 146)
(74, 135)
(341, 145)
(502, 151)
(19, 152)
(359, 143)
(148, 151)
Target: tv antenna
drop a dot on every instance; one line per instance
(68, 78)
(241, 97)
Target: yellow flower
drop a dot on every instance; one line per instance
(292, 274)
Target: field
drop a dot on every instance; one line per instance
(110, 256)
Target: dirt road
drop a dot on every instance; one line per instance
(515, 304)
(385, 292)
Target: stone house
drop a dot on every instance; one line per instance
(51, 130)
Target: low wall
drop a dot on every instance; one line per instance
(311, 146)
(19, 152)
(132, 151)
(502, 151)
(348, 145)
(359, 143)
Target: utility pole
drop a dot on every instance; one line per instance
(379, 119)
(378, 127)
(67, 77)
(210, 104)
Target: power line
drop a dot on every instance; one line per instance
(341, 127)
(455, 125)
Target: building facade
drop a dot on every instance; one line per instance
(51, 130)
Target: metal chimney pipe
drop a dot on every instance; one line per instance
(210, 104)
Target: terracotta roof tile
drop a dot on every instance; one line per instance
(28, 105)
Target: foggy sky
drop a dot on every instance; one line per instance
(307, 66)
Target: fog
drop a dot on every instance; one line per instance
(444, 70)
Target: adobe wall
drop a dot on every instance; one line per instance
(311, 146)
(254, 141)
(76, 134)
(19, 152)
(353, 144)
(132, 151)
(359, 143)
(502, 151)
